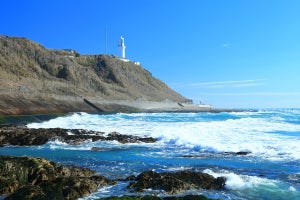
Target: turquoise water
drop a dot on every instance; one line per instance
(197, 141)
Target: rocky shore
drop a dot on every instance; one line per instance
(173, 183)
(23, 136)
(187, 197)
(38, 178)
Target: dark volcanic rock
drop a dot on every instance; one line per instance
(129, 138)
(187, 197)
(38, 178)
(173, 183)
(242, 153)
(21, 135)
(239, 153)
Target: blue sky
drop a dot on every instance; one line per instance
(228, 53)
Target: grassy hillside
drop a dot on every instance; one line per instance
(30, 72)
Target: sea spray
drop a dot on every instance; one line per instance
(258, 152)
(260, 135)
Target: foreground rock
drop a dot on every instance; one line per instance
(38, 178)
(23, 136)
(176, 182)
(188, 197)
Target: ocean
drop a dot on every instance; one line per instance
(208, 142)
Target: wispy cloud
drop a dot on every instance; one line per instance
(226, 45)
(266, 93)
(229, 84)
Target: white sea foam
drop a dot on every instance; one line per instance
(242, 132)
(241, 182)
(292, 189)
(57, 144)
(88, 145)
(117, 190)
(248, 186)
(85, 146)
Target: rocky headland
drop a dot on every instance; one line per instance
(34, 79)
(37, 80)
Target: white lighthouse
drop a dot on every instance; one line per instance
(122, 47)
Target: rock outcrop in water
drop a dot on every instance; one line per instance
(23, 136)
(37, 178)
(187, 197)
(176, 182)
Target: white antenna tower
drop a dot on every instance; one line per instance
(106, 38)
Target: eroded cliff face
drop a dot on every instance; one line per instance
(31, 72)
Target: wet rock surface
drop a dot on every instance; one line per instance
(23, 136)
(216, 154)
(187, 197)
(239, 153)
(175, 182)
(38, 178)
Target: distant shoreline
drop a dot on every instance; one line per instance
(46, 110)
(20, 104)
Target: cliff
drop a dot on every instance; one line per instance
(34, 79)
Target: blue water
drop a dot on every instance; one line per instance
(197, 141)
